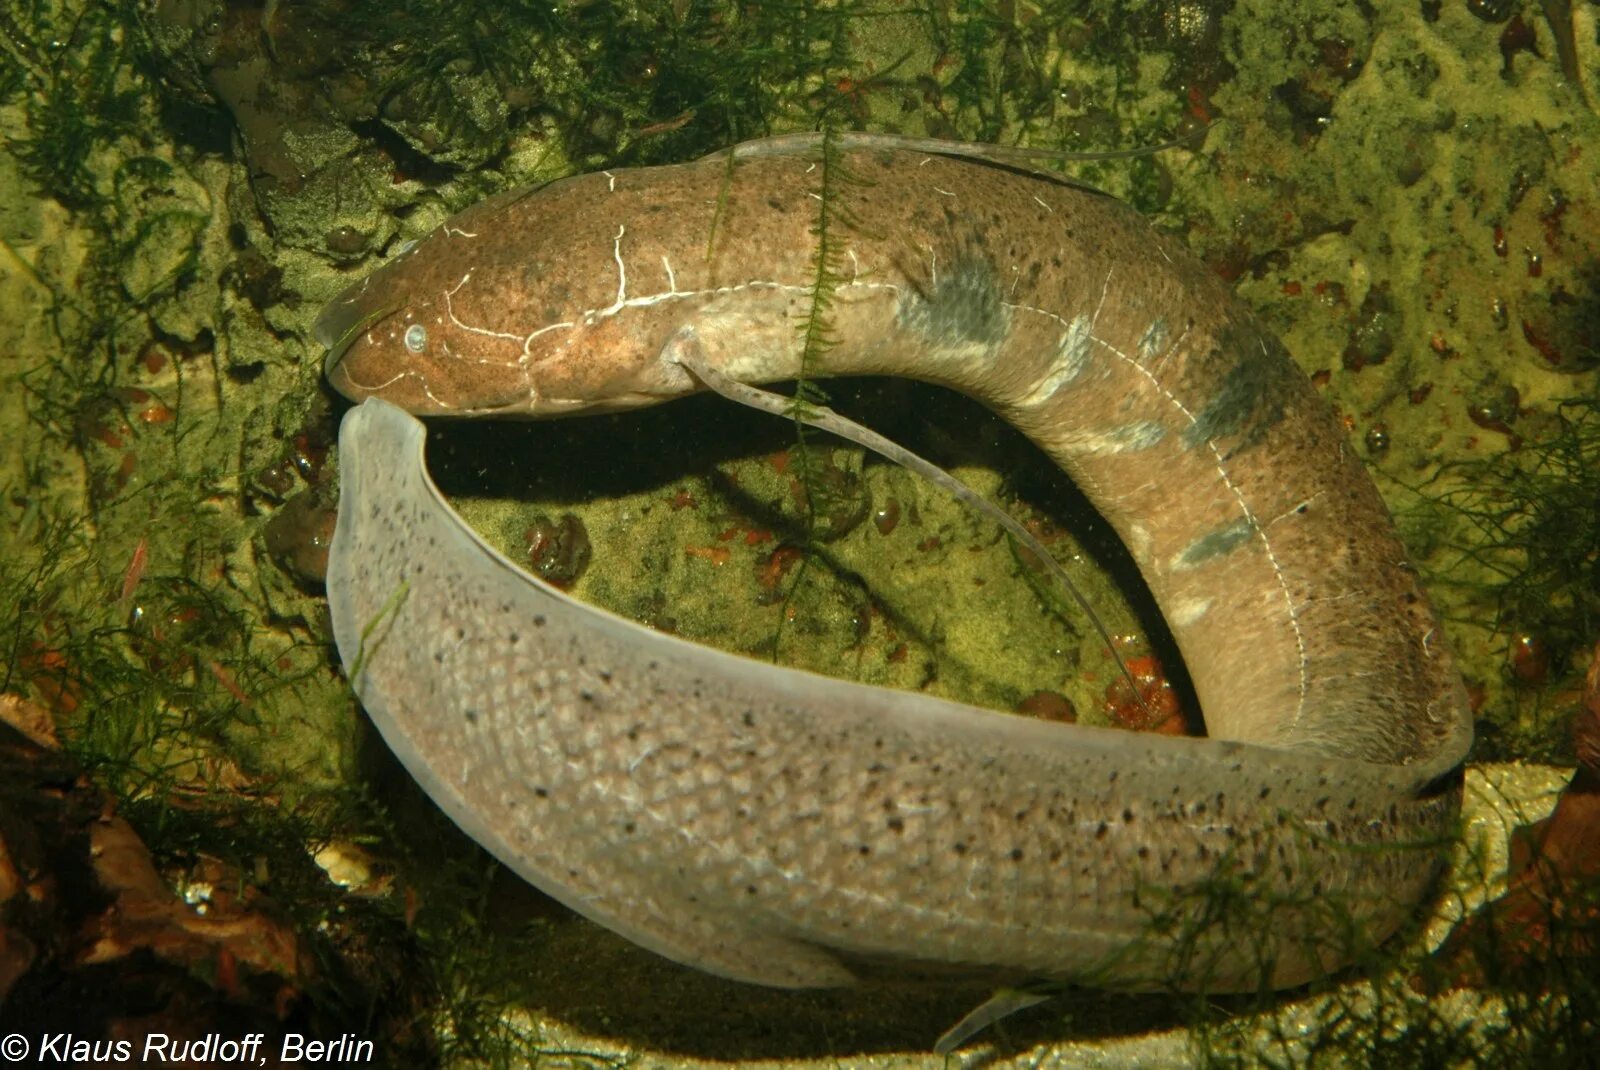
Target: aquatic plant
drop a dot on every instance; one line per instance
(1523, 527)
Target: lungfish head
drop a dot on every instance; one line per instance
(494, 312)
(397, 334)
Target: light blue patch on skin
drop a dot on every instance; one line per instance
(1138, 435)
(1214, 544)
(1072, 357)
(1154, 340)
(1125, 438)
(962, 308)
(416, 338)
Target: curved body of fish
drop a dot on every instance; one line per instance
(777, 827)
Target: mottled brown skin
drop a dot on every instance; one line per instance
(1129, 364)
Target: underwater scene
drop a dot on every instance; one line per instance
(206, 837)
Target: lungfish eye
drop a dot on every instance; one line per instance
(416, 338)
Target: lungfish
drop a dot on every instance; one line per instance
(782, 828)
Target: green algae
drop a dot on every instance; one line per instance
(169, 235)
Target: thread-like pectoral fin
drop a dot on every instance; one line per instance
(684, 349)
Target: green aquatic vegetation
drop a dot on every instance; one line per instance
(1521, 997)
(834, 218)
(74, 66)
(151, 693)
(651, 82)
(1549, 523)
(1524, 526)
(1072, 76)
(84, 98)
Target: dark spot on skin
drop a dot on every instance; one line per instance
(1216, 543)
(1250, 399)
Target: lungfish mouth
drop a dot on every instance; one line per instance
(354, 311)
(362, 304)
